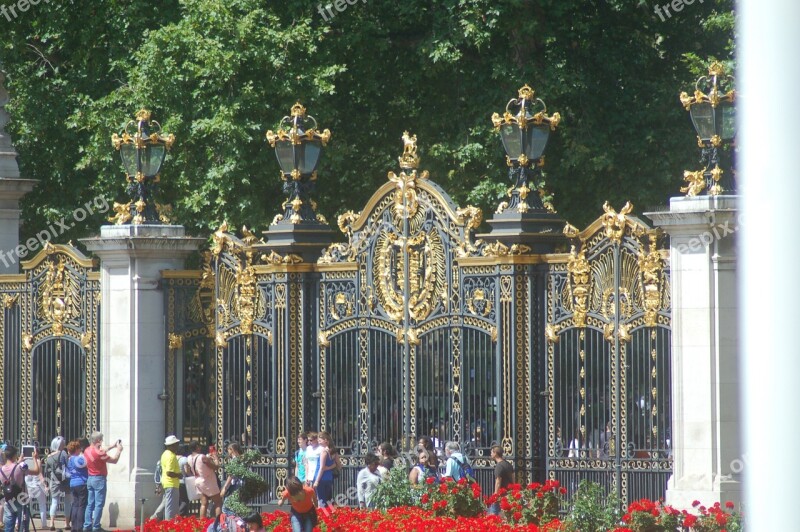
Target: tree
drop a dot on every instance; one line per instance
(219, 73)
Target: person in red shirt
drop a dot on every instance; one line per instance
(97, 459)
(304, 505)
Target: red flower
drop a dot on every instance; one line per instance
(429, 480)
(517, 516)
(729, 505)
(689, 521)
(425, 498)
(695, 504)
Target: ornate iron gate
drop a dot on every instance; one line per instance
(608, 359)
(48, 355)
(407, 335)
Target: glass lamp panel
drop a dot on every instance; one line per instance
(309, 156)
(512, 140)
(728, 121)
(285, 153)
(703, 119)
(152, 157)
(536, 140)
(128, 154)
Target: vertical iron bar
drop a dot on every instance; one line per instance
(406, 316)
(617, 369)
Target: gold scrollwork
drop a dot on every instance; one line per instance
(27, 342)
(551, 332)
(470, 216)
(175, 341)
(695, 183)
(480, 302)
(86, 339)
(579, 280)
(9, 300)
(220, 340)
(341, 306)
(323, 339)
(498, 249)
(58, 300)
(650, 265)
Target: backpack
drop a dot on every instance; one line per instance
(11, 489)
(465, 470)
(157, 473)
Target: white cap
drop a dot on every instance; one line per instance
(171, 439)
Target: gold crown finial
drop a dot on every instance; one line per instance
(526, 92)
(716, 69)
(143, 114)
(409, 159)
(298, 110)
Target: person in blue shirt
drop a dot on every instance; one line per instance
(78, 474)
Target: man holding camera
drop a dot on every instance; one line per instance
(97, 459)
(12, 479)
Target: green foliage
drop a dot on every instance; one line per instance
(395, 490)
(219, 73)
(592, 510)
(253, 484)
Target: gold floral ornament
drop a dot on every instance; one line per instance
(650, 265)
(579, 279)
(143, 149)
(614, 222)
(712, 111)
(524, 128)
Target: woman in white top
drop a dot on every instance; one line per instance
(313, 452)
(367, 481)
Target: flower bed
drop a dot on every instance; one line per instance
(459, 506)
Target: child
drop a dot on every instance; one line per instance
(254, 523)
(304, 505)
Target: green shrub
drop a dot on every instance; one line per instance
(253, 484)
(395, 490)
(592, 510)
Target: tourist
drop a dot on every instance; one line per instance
(300, 457)
(58, 480)
(204, 468)
(183, 464)
(14, 471)
(367, 481)
(388, 455)
(421, 472)
(232, 483)
(311, 456)
(427, 443)
(503, 476)
(37, 490)
(456, 462)
(78, 474)
(97, 460)
(304, 505)
(171, 477)
(254, 523)
(575, 445)
(323, 473)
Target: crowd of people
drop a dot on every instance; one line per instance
(72, 473)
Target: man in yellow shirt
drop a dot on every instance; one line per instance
(171, 477)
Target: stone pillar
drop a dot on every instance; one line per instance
(133, 350)
(12, 188)
(707, 455)
(770, 283)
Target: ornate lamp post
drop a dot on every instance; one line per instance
(299, 230)
(714, 118)
(298, 145)
(142, 148)
(524, 129)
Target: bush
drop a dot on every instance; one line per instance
(592, 510)
(536, 504)
(253, 483)
(453, 499)
(395, 490)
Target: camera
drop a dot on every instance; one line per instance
(27, 451)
